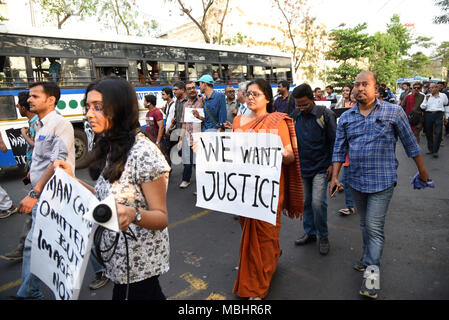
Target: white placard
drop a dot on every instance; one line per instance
(327, 104)
(62, 238)
(189, 117)
(239, 173)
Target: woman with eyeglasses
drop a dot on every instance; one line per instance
(128, 165)
(259, 245)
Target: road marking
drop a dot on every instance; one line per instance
(191, 258)
(16, 283)
(10, 285)
(193, 217)
(195, 285)
(215, 296)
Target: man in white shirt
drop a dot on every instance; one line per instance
(436, 109)
(242, 108)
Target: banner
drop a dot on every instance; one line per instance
(61, 239)
(18, 146)
(239, 172)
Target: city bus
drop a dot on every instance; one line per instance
(149, 64)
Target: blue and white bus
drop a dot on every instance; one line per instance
(149, 64)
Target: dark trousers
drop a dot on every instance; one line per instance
(148, 289)
(433, 127)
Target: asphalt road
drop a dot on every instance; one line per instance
(204, 246)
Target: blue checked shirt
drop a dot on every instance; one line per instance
(371, 143)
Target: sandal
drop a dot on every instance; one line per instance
(346, 211)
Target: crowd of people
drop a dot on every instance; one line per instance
(358, 132)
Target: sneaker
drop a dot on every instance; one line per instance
(99, 282)
(15, 255)
(184, 184)
(370, 293)
(7, 213)
(359, 266)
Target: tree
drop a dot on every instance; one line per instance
(419, 65)
(442, 54)
(2, 18)
(305, 36)
(349, 47)
(213, 14)
(62, 10)
(125, 14)
(444, 5)
(390, 50)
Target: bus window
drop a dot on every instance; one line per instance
(46, 68)
(153, 76)
(135, 75)
(105, 71)
(75, 71)
(182, 72)
(196, 70)
(280, 73)
(13, 72)
(167, 72)
(259, 72)
(233, 74)
(8, 108)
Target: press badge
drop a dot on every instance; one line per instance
(41, 138)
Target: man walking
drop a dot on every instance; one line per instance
(315, 130)
(435, 107)
(368, 132)
(215, 117)
(54, 141)
(412, 104)
(284, 102)
(28, 133)
(188, 129)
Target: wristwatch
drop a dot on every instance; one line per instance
(33, 194)
(138, 216)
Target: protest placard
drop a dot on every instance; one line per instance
(61, 238)
(239, 173)
(189, 117)
(18, 146)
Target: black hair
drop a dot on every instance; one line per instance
(120, 107)
(330, 87)
(407, 84)
(23, 99)
(51, 89)
(151, 99)
(168, 91)
(265, 87)
(285, 84)
(303, 90)
(180, 84)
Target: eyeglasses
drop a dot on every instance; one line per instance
(255, 94)
(230, 91)
(417, 88)
(95, 108)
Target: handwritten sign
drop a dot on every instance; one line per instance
(239, 173)
(61, 238)
(18, 146)
(189, 117)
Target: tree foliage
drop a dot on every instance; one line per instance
(442, 54)
(124, 16)
(444, 6)
(62, 10)
(349, 47)
(211, 23)
(305, 37)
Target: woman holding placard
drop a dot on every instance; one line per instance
(259, 245)
(128, 165)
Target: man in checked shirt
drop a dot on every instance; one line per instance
(369, 132)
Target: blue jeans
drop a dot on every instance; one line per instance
(188, 167)
(372, 209)
(348, 197)
(315, 205)
(30, 287)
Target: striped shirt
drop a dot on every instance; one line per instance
(371, 144)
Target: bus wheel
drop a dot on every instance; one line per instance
(80, 149)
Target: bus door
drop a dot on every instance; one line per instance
(105, 67)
